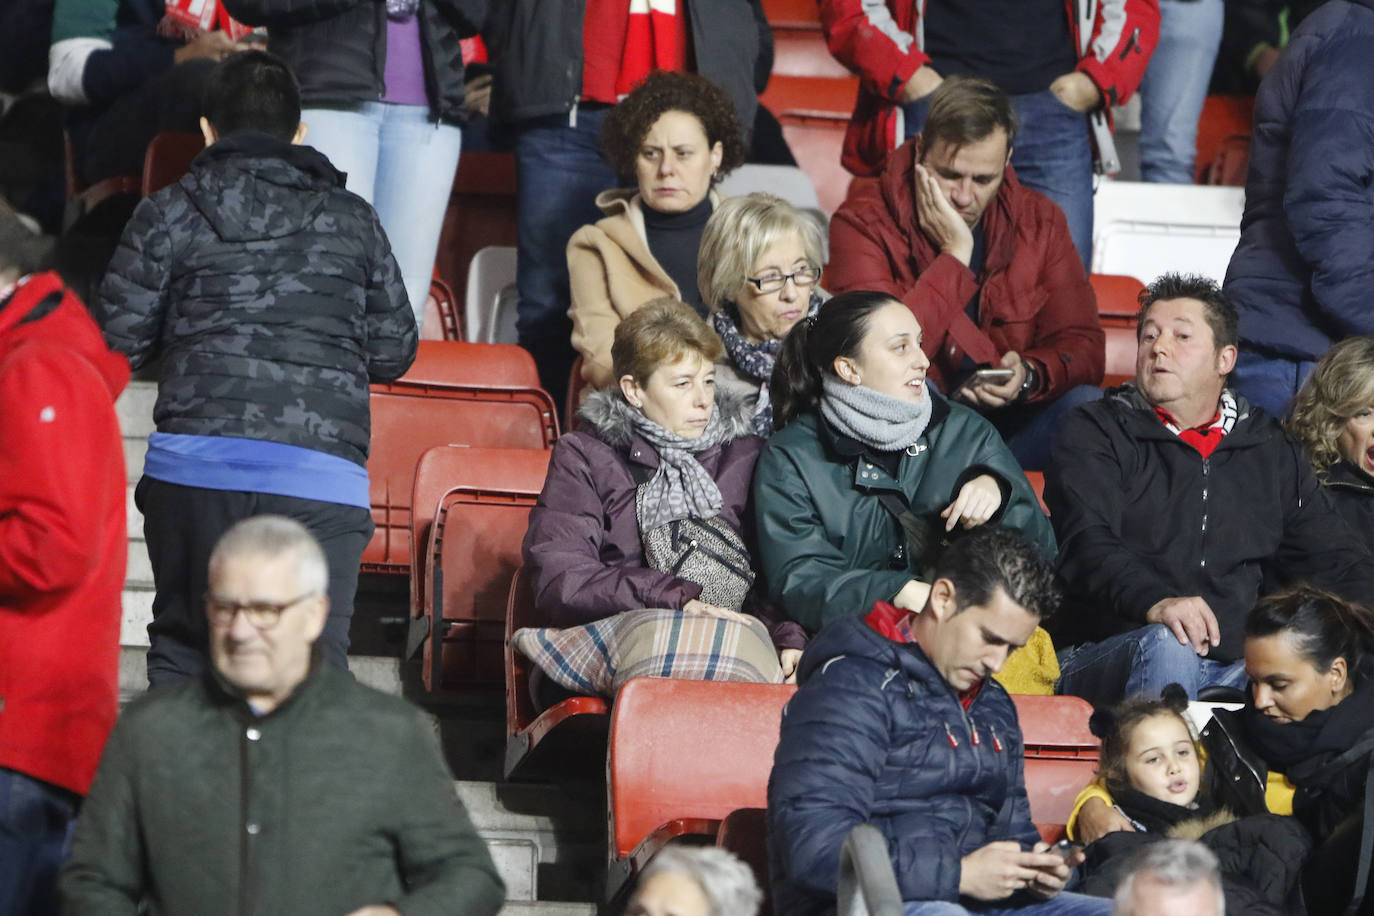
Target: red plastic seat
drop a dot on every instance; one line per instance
(1037, 482)
(744, 832)
(577, 387)
(1121, 350)
(683, 755)
(82, 198)
(1118, 297)
(792, 13)
(168, 158)
(1229, 164)
(1222, 116)
(444, 321)
(472, 554)
(817, 141)
(1061, 757)
(482, 395)
(481, 212)
(575, 729)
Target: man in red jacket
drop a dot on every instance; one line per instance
(1062, 62)
(62, 560)
(1009, 320)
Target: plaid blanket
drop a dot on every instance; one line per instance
(599, 657)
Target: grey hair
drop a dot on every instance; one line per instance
(271, 536)
(1173, 863)
(727, 882)
(739, 231)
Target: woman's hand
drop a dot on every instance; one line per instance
(1096, 819)
(913, 596)
(789, 658)
(710, 610)
(977, 501)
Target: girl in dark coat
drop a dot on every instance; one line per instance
(640, 527)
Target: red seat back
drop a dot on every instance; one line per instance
(481, 212)
(169, 157)
(1118, 297)
(443, 319)
(1061, 756)
(474, 552)
(1222, 116)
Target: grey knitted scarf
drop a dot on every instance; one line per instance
(878, 420)
(680, 488)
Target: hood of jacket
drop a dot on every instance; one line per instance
(42, 309)
(252, 187)
(609, 415)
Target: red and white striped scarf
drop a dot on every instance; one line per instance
(623, 43)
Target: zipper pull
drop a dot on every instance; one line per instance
(953, 741)
(974, 730)
(996, 743)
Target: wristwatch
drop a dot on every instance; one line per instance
(1030, 382)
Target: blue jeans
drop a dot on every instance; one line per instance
(1030, 430)
(1065, 904)
(1175, 86)
(1269, 381)
(1052, 153)
(1141, 663)
(560, 172)
(36, 820)
(402, 163)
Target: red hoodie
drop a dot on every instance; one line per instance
(63, 540)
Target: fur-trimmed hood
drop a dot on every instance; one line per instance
(607, 414)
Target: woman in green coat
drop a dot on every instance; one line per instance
(870, 472)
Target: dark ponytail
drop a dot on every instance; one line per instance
(1324, 627)
(810, 349)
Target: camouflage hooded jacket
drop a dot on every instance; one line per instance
(270, 294)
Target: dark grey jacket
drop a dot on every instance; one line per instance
(337, 799)
(536, 48)
(270, 293)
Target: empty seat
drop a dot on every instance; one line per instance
(1223, 116)
(569, 736)
(817, 140)
(1121, 351)
(1061, 757)
(1118, 297)
(471, 555)
(443, 320)
(785, 181)
(483, 395)
(481, 212)
(663, 782)
(1142, 229)
(168, 158)
(802, 52)
(492, 273)
(792, 13)
(1037, 482)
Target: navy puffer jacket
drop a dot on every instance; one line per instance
(876, 735)
(1302, 272)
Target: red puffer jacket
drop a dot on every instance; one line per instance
(62, 535)
(1035, 297)
(882, 43)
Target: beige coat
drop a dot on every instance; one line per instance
(612, 273)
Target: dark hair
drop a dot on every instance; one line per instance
(252, 90)
(1217, 310)
(810, 349)
(992, 557)
(1115, 727)
(1323, 626)
(660, 92)
(966, 109)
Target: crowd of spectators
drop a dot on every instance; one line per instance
(766, 482)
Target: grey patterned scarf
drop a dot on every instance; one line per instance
(680, 488)
(878, 420)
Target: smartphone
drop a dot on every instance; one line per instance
(997, 376)
(1064, 849)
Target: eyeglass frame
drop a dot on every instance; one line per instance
(808, 269)
(273, 609)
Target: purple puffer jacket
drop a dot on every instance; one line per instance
(583, 543)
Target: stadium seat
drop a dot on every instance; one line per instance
(1142, 229)
(434, 472)
(744, 832)
(817, 140)
(472, 553)
(443, 320)
(1121, 350)
(1061, 757)
(662, 782)
(1037, 482)
(1223, 117)
(1229, 164)
(169, 157)
(481, 212)
(1118, 297)
(792, 14)
(483, 395)
(490, 275)
(803, 52)
(785, 181)
(577, 387)
(569, 736)
(82, 198)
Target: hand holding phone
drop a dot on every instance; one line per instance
(995, 375)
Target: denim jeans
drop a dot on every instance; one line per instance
(1030, 430)
(1141, 663)
(1175, 86)
(1052, 153)
(402, 163)
(1066, 904)
(560, 172)
(1269, 381)
(36, 820)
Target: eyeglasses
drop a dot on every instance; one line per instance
(772, 282)
(264, 615)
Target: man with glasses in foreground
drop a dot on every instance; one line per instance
(274, 783)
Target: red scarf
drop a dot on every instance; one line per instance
(1208, 436)
(895, 623)
(623, 42)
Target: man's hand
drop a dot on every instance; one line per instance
(913, 596)
(1096, 819)
(939, 220)
(998, 870)
(922, 83)
(477, 95)
(989, 395)
(1191, 620)
(376, 911)
(1265, 60)
(1052, 878)
(210, 45)
(696, 606)
(977, 501)
(789, 658)
(1077, 90)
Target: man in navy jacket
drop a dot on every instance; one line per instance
(899, 724)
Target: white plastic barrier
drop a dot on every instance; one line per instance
(1143, 230)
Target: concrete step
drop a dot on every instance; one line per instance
(135, 409)
(134, 450)
(138, 613)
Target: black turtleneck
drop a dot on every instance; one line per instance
(674, 240)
